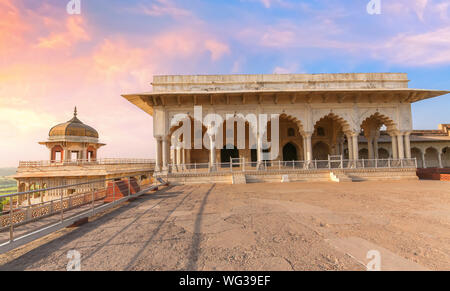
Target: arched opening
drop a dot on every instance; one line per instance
(91, 154)
(364, 154)
(371, 127)
(431, 158)
(184, 155)
(57, 153)
(417, 154)
(383, 153)
(228, 153)
(43, 193)
(290, 152)
(446, 157)
(329, 131)
(321, 151)
(22, 187)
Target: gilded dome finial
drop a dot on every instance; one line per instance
(75, 112)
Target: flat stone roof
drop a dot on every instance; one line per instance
(169, 90)
(198, 83)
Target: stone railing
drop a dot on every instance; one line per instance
(31, 164)
(267, 166)
(22, 218)
(34, 212)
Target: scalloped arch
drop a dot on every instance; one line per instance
(342, 121)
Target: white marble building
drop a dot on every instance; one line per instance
(355, 116)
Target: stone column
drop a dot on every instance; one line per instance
(375, 147)
(304, 147)
(424, 164)
(165, 154)
(440, 159)
(355, 147)
(212, 156)
(401, 150)
(172, 156)
(83, 154)
(178, 150)
(370, 147)
(158, 155)
(259, 153)
(66, 155)
(188, 156)
(309, 153)
(350, 146)
(394, 147)
(408, 145)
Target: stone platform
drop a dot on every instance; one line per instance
(322, 175)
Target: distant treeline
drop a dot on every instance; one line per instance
(6, 183)
(7, 171)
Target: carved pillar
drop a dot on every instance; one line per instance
(188, 156)
(440, 159)
(178, 150)
(82, 155)
(158, 154)
(173, 156)
(304, 147)
(212, 151)
(350, 146)
(370, 147)
(165, 154)
(408, 145)
(259, 152)
(401, 150)
(66, 155)
(355, 147)
(394, 146)
(375, 147)
(424, 164)
(309, 153)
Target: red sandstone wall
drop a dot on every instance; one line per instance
(434, 174)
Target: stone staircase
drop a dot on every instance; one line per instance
(239, 178)
(339, 177)
(119, 189)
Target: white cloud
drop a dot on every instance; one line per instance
(430, 48)
(163, 8)
(290, 69)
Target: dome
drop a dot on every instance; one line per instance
(73, 127)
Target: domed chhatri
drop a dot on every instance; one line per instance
(73, 127)
(72, 140)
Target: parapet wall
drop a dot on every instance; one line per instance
(294, 176)
(193, 83)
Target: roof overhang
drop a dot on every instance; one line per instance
(146, 101)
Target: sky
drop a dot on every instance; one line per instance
(52, 61)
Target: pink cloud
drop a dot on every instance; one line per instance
(74, 32)
(430, 48)
(188, 42)
(50, 72)
(12, 26)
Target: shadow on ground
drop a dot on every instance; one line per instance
(41, 252)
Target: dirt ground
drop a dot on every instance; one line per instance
(292, 226)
